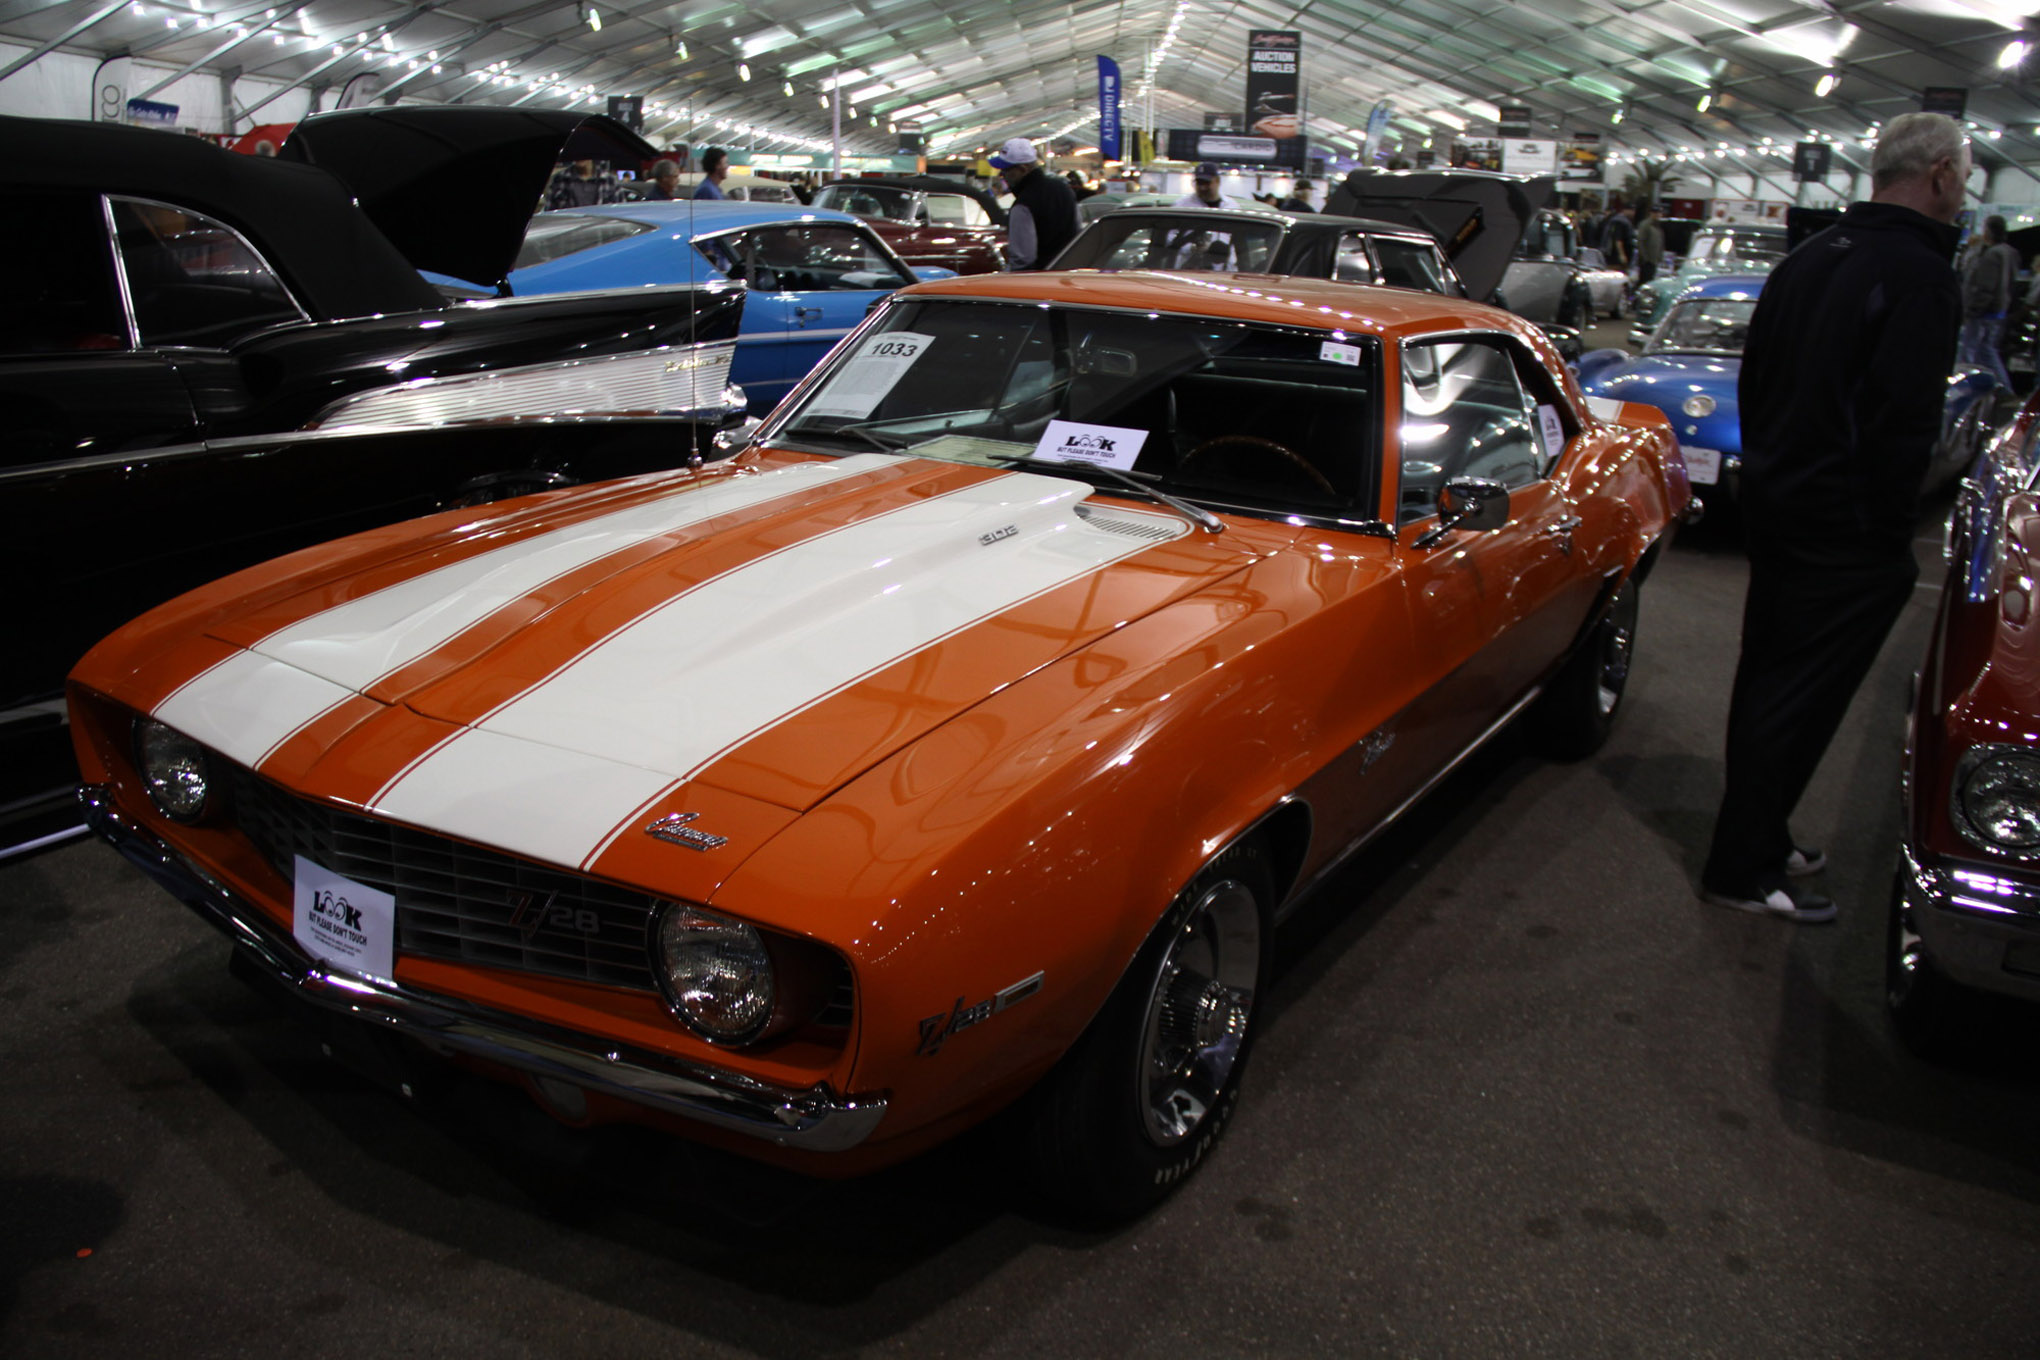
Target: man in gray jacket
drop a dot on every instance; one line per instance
(1987, 278)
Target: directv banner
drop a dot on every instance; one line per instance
(1108, 108)
(1222, 148)
(1274, 80)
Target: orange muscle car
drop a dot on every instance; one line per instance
(963, 738)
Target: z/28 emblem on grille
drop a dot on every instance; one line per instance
(674, 827)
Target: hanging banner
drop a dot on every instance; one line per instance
(1527, 156)
(1811, 161)
(1512, 120)
(109, 90)
(360, 91)
(1377, 127)
(1274, 82)
(149, 113)
(1193, 144)
(1952, 100)
(629, 110)
(1579, 160)
(1108, 108)
(1222, 122)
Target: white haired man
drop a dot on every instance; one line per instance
(1841, 388)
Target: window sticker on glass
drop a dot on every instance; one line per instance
(1069, 441)
(1332, 352)
(862, 383)
(1552, 429)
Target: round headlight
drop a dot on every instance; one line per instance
(1997, 799)
(716, 973)
(173, 769)
(1699, 404)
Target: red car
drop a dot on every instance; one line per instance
(1965, 912)
(927, 221)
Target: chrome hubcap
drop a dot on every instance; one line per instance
(1618, 636)
(1197, 1012)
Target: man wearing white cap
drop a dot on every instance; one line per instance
(1044, 216)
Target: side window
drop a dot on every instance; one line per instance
(193, 280)
(68, 300)
(974, 214)
(1465, 414)
(947, 208)
(841, 257)
(1351, 264)
(1411, 264)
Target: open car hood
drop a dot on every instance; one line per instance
(1477, 217)
(454, 188)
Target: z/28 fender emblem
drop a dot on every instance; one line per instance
(936, 1029)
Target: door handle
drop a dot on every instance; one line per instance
(804, 314)
(1561, 532)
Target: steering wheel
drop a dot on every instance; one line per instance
(1289, 455)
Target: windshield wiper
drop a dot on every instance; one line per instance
(1140, 483)
(868, 435)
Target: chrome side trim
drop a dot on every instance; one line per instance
(1367, 837)
(814, 1119)
(120, 276)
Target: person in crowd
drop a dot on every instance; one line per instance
(1618, 237)
(1989, 272)
(1650, 243)
(1044, 214)
(1841, 390)
(1299, 198)
(585, 184)
(665, 180)
(1204, 191)
(715, 168)
(1077, 185)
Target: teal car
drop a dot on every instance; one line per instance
(1718, 248)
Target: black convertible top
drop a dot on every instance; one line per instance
(302, 220)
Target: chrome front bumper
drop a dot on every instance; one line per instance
(814, 1119)
(1981, 928)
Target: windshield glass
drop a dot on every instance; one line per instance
(867, 200)
(1261, 418)
(1174, 242)
(1725, 246)
(1705, 326)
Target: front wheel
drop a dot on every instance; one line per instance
(1924, 1005)
(1578, 708)
(1143, 1096)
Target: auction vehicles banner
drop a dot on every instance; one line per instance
(1274, 82)
(1108, 108)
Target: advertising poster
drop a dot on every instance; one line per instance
(1274, 83)
(1477, 153)
(1579, 160)
(1377, 128)
(1512, 120)
(1811, 161)
(109, 90)
(1222, 122)
(1192, 144)
(629, 110)
(1108, 108)
(1528, 156)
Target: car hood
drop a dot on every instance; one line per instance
(453, 188)
(767, 630)
(1477, 218)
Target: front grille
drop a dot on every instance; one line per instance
(456, 901)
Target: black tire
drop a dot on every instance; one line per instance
(1101, 1146)
(1926, 1009)
(1580, 705)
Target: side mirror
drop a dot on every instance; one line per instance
(1474, 503)
(737, 436)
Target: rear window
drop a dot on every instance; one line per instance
(553, 237)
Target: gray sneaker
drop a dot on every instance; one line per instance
(1787, 901)
(1804, 860)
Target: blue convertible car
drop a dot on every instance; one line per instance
(812, 274)
(1688, 370)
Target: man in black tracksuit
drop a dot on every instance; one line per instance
(1044, 215)
(1841, 391)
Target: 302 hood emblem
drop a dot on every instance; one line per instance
(674, 827)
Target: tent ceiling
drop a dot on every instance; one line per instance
(975, 71)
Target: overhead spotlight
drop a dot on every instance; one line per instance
(788, 87)
(743, 70)
(594, 18)
(825, 101)
(2014, 53)
(1706, 102)
(1618, 115)
(1825, 86)
(681, 50)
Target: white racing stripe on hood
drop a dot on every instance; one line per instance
(244, 702)
(1606, 408)
(351, 646)
(696, 677)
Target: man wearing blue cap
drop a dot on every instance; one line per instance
(1204, 191)
(1044, 215)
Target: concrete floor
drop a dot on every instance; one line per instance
(1519, 1093)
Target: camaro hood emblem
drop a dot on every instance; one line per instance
(674, 827)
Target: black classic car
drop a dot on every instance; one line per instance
(209, 359)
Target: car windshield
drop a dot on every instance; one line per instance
(1265, 419)
(1185, 241)
(1705, 326)
(553, 236)
(1725, 246)
(868, 200)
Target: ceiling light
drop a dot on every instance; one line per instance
(681, 50)
(594, 18)
(788, 87)
(1706, 103)
(1618, 115)
(2014, 53)
(743, 70)
(1825, 86)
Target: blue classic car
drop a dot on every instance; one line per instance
(1688, 370)
(813, 274)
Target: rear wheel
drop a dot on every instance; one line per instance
(1579, 707)
(1139, 1101)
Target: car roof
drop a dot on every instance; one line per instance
(1724, 285)
(1282, 299)
(1261, 216)
(708, 215)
